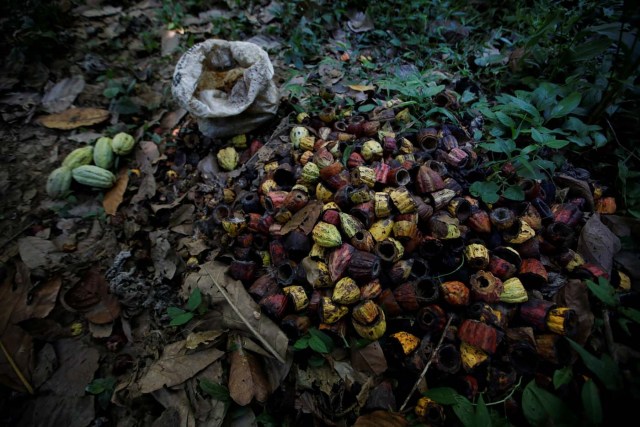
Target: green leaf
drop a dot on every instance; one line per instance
(539, 137)
(347, 153)
(195, 299)
(591, 402)
(562, 376)
(604, 368)
(505, 120)
(525, 106)
(101, 385)
(599, 139)
(604, 292)
(302, 343)
(486, 190)
(443, 395)
(464, 411)
(267, 420)
(542, 408)
(326, 339)
(631, 313)
(181, 319)
(111, 92)
(506, 146)
(528, 170)
(590, 49)
(174, 312)
(316, 361)
(214, 390)
(556, 143)
(316, 344)
(482, 417)
(514, 192)
(566, 106)
(366, 108)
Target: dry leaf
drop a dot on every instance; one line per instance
(55, 411)
(369, 359)
(208, 411)
(36, 252)
(60, 97)
(575, 295)
(175, 366)
(246, 376)
(576, 188)
(195, 339)
(46, 363)
(381, 419)
(113, 197)
(305, 219)
(239, 313)
(597, 244)
(91, 297)
(74, 118)
(19, 346)
(179, 412)
(361, 88)
(78, 364)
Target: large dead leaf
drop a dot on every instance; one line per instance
(175, 366)
(381, 419)
(18, 347)
(597, 244)
(239, 310)
(60, 96)
(246, 376)
(305, 219)
(91, 297)
(113, 197)
(208, 411)
(178, 411)
(78, 364)
(575, 295)
(36, 252)
(55, 411)
(75, 118)
(163, 255)
(369, 358)
(576, 188)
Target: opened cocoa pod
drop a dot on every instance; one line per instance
(486, 313)
(455, 293)
(406, 296)
(441, 198)
(509, 254)
(274, 200)
(502, 218)
(297, 297)
(244, 240)
(513, 291)
(427, 139)
(606, 206)
(331, 214)
(477, 256)
(388, 303)
(355, 125)
(331, 312)
(443, 226)
(234, 224)
(263, 286)
(305, 159)
(342, 197)
(501, 268)
(381, 205)
(297, 245)
(531, 216)
(363, 241)
(369, 320)
(534, 312)
(431, 247)
(243, 270)
(339, 260)
(423, 210)
(457, 157)
(389, 145)
(570, 259)
(360, 195)
(382, 229)
(275, 305)
(364, 212)
(334, 176)
(371, 290)
(389, 250)
(428, 180)
(296, 200)
(559, 234)
(428, 290)
(323, 158)
(471, 357)
(485, 287)
(533, 273)
(590, 271)
(371, 150)
(562, 321)
(355, 160)
(419, 269)
(479, 221)
(326, 235)
(250, 203)
(282, 216)
(242, 254)
(364, 266)
(447, 359)
(403, 343)
(317, 273)
(460, 208)
(500, 378)
(553, 348)
(431, 319)
(480, 335)
(284, 175)
(381, 170)
(346, 292)
(252, 221)
(400, 271)
(521, 350)
(429, 411)
(349, 225)
(567, 213)
(295, 326)
(277, 252)
(363, 175)
(265, 224)
(317, 252)
(285, 273)
(520, 233)
(398, 177)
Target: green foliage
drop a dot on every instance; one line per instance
(470, 414)
(215, 391)
(542, 408)
(605, 368)
(606, 293)
(194, 306)
(102, 388)
(317, 341)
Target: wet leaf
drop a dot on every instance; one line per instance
(246, 377)
(37, 252)
(361, 88)
(575, 295)
(604, 292)
(92, 298)
(562, 376)
(591, 402)
(194, 301)
(381, 419)
(514, 192)
(305, 219)
(74, 118)
(181, 319)
(486, 190)
(566, 106)
(319, 341)
(113, 197)
(175, 366)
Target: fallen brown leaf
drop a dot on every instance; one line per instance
(78, 364)
(113, 197)
(369, 358)
(597, 244)
(305, 219)
(16, 359)
(175, 366)
(381, 419)
(92, 298)
(361, 88)
(54, 411)
(74, 118)
(247, 379)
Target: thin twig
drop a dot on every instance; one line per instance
(3, 244)
(615, 136)
(244, 320)
(426, 368)
(24, 381)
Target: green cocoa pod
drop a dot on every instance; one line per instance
(94, 176)
(103, 153)
(122, 144)
(59, 182)
(78, 157)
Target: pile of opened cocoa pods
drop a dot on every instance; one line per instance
(368, 234)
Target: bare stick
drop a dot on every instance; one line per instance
(24, 381)
(426, 368)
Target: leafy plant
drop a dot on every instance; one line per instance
(195, 305)
(606, 293)
(470, 414)
(215, 391)
(102, 388)
(317, 341)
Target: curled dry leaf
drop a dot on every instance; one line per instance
(247, 379)
(175, 366)
(305, 219)
(113, 197)
(74, 118)
(197, 339)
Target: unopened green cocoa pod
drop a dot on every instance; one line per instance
(103, 153)
(78, 157)
(59, 182)
(94, 176)
(122, 144)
